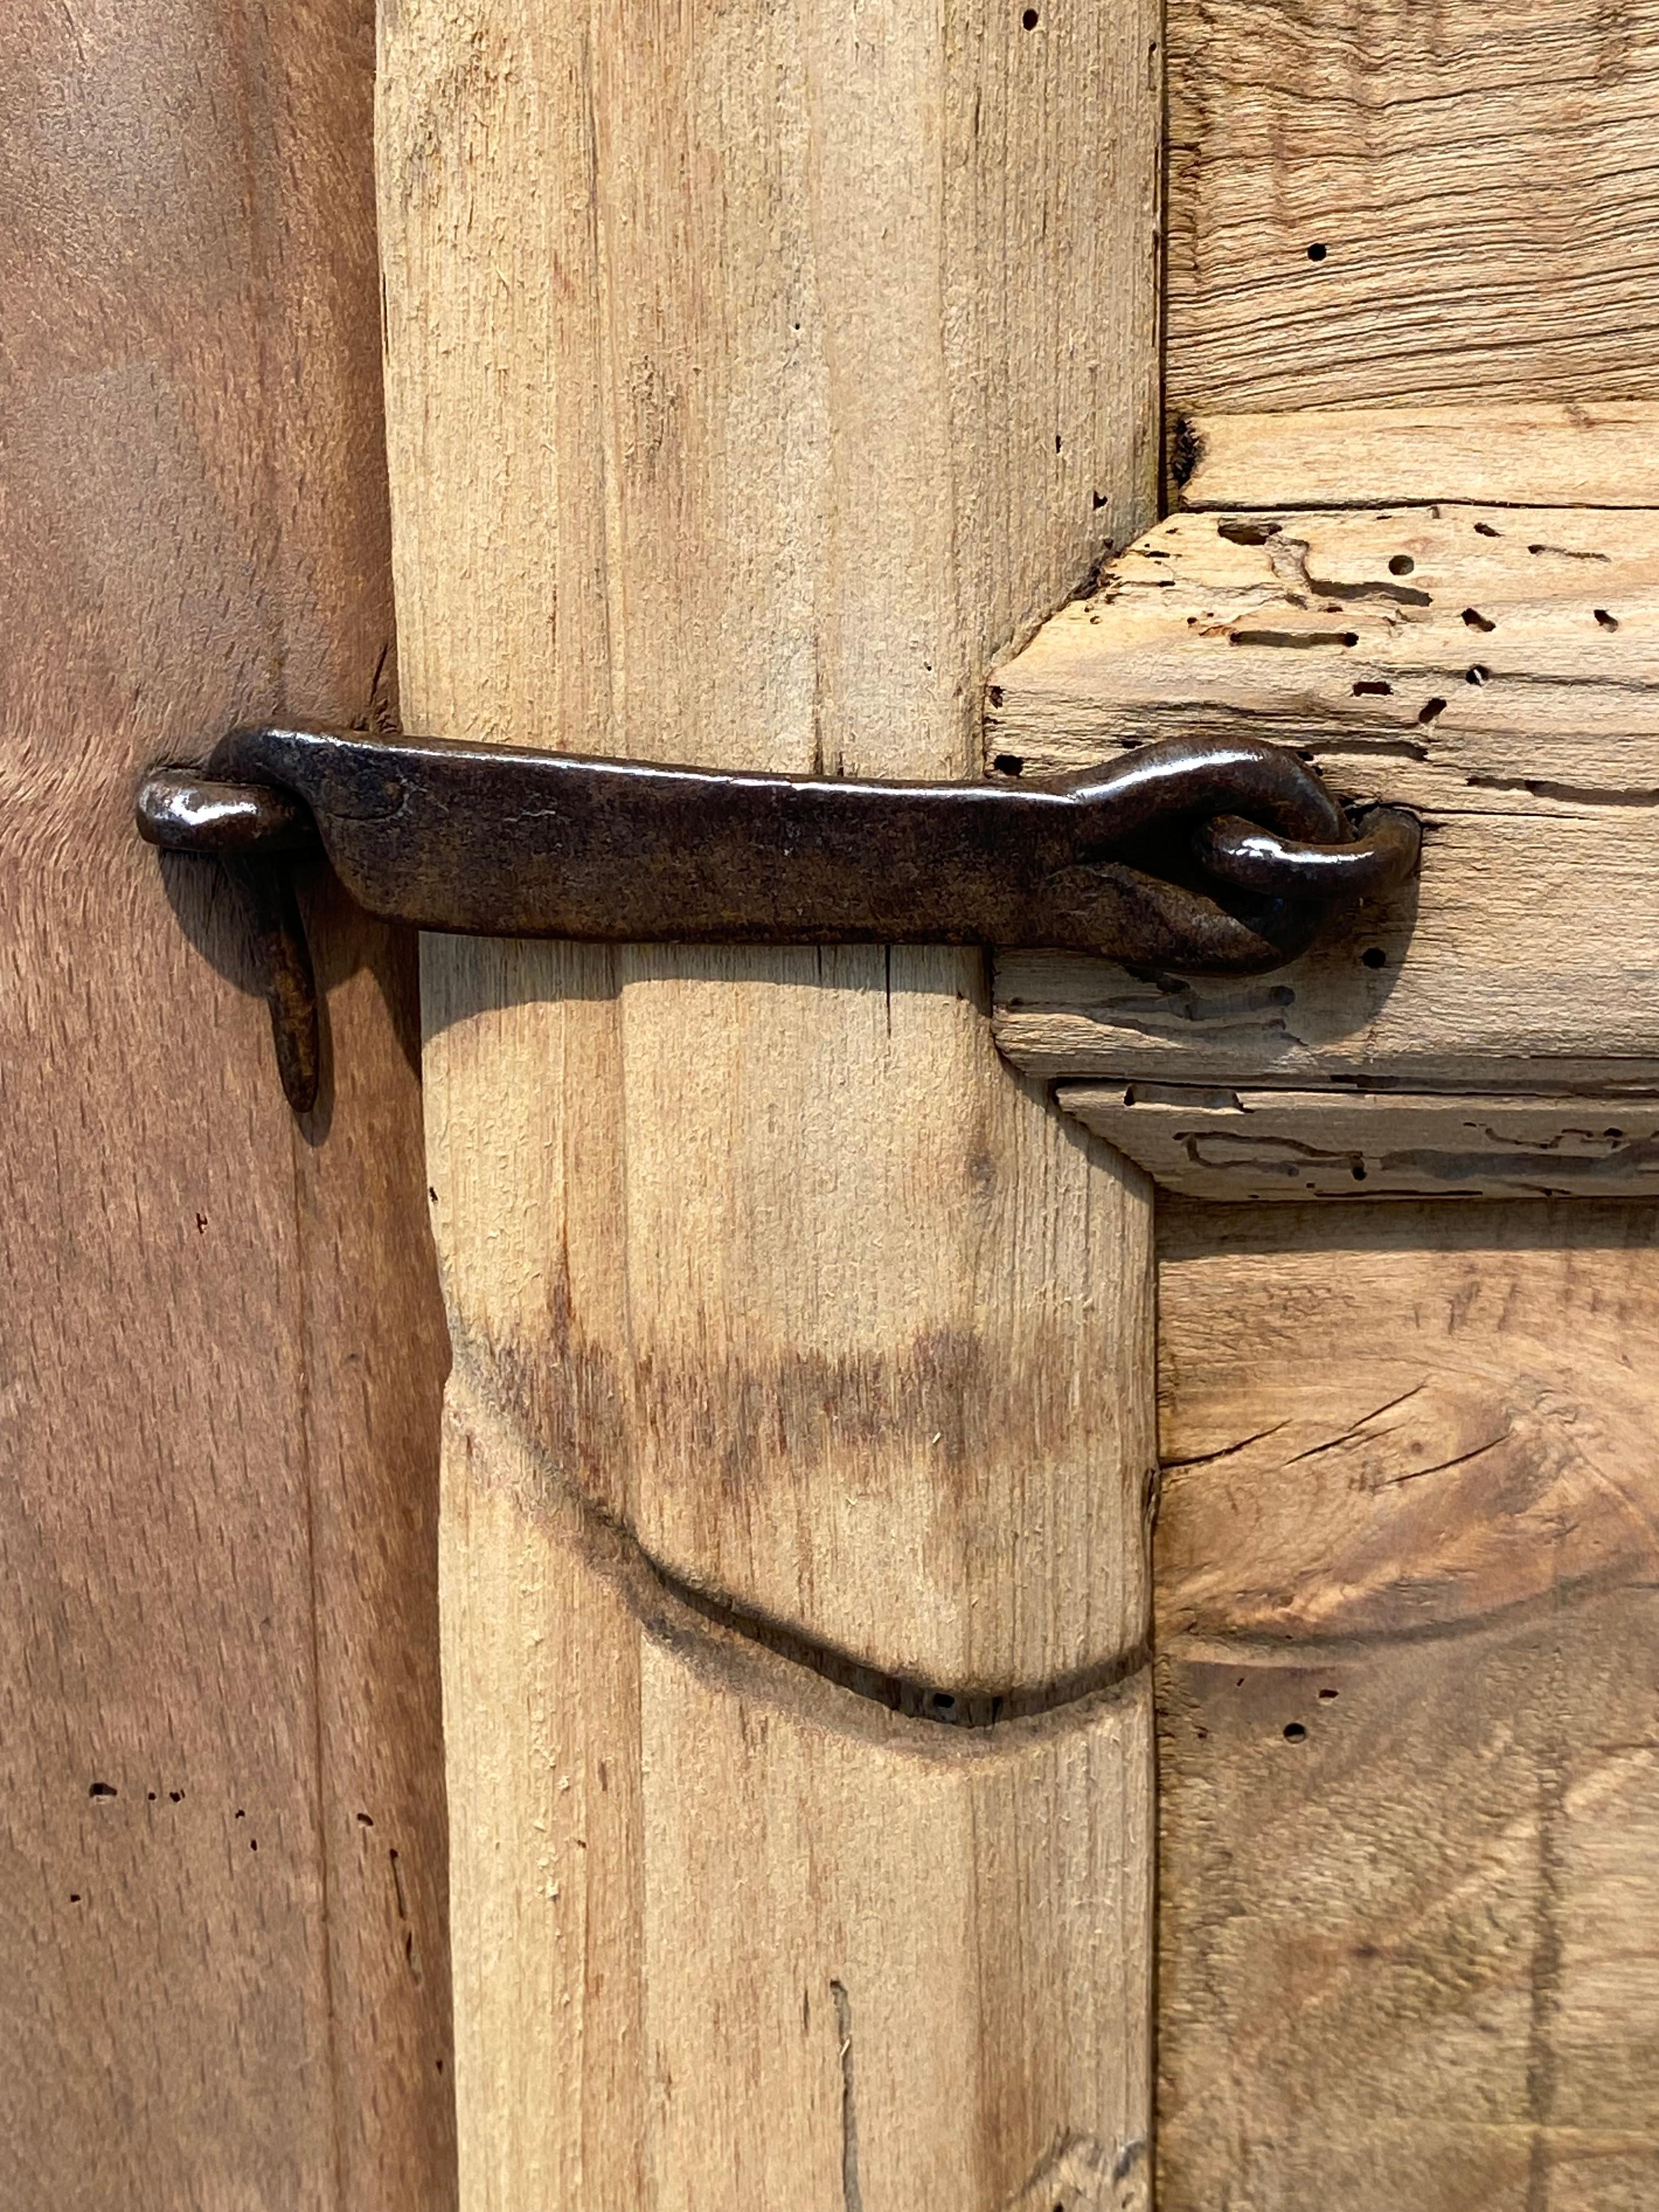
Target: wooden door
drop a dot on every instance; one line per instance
(893, 1762)
(783, 386)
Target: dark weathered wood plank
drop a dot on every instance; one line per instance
(223, 1354)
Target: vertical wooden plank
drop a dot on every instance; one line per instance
(753, 378)
(224, 1355)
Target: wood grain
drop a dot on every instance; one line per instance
(1474, 179)
(1453, 657)
(1405, 1559)
(1409, 1821)
(1294, 1144)
(223, 1987)
(1520, 453)
(751, 384)
(795, 1945)
(1493, 668)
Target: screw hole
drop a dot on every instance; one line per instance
(1401, 565)
(1317, 252)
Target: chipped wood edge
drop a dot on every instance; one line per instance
(1298, 1144)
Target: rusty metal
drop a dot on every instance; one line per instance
(189, 813)
(290, 984)
(1196, 856)
(1384, 853)
(252, 829)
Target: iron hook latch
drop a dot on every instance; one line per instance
(1194, 855)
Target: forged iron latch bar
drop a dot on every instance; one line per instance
(1194, 855)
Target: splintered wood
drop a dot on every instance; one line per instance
(1496, 668)
(754, 378)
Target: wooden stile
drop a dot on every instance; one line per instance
(752, 385)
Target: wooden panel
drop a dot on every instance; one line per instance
(1298, 1144)
(753, 378)
(215, 1661)
(1437, 657)
(1603, 453)
(1403, 205)
(1494, 668)
(1405, 1549)
(1409, 1821)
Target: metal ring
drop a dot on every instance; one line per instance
(1256, 859)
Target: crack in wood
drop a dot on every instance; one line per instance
(851, 2194)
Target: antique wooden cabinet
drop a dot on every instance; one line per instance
(1043, 1568)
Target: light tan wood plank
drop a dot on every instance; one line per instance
(1478, 175)
(1409, 1516)
(919, 404)
(846, 1876)
(1493, 668)
(1601, 453)
(750, 385)
(827, 1351)
(1301, 1144)
(223, 1339)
